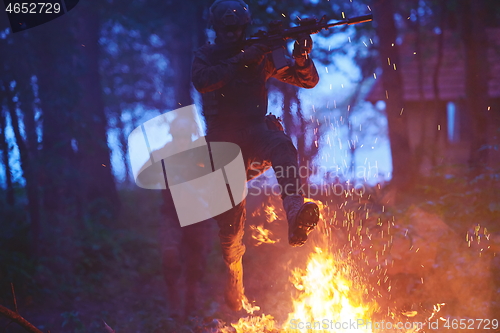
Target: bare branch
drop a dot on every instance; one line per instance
(14, 297)
(19, 320)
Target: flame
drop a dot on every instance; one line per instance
(271, 214)
(328, 296)
(262, 235)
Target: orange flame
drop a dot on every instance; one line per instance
(262, 235)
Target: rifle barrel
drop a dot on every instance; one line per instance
(354, 20)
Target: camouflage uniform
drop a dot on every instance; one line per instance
(234, 100)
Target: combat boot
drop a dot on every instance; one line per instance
(302, 218)
(235, 292)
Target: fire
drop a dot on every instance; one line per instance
(329, 297)
(262, 235)
(271, 214)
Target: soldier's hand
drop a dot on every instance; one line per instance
(254, 54)
(302, 47)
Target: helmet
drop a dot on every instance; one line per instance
(229, 13)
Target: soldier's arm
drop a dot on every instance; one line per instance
(302, 74)
(207, 77)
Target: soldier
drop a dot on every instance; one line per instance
(232, 81)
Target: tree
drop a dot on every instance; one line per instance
(402, 158)
(475, 39)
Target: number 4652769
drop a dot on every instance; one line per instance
(34, 8)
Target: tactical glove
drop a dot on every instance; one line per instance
(302, 47)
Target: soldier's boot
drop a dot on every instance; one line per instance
(302, 218)
(235, 293)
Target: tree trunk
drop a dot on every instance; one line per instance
(402, 159)
(437, 104)
(28, 167)
(187, 21)
(53, 45)
(96, 177)
(4, 147)
(476, 80)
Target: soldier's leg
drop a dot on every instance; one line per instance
(231, 229)
(302, 217)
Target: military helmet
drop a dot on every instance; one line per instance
(229, 13)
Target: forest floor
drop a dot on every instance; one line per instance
(117, 277)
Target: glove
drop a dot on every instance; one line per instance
(302, 47)
(252, 55)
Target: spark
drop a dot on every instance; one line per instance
(375, 75)
(326, 69)
(283, 15)
(394, 66)
(369, 8)
(349, 38)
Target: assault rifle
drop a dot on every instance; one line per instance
(277, 35)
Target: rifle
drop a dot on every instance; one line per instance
(277, 35)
